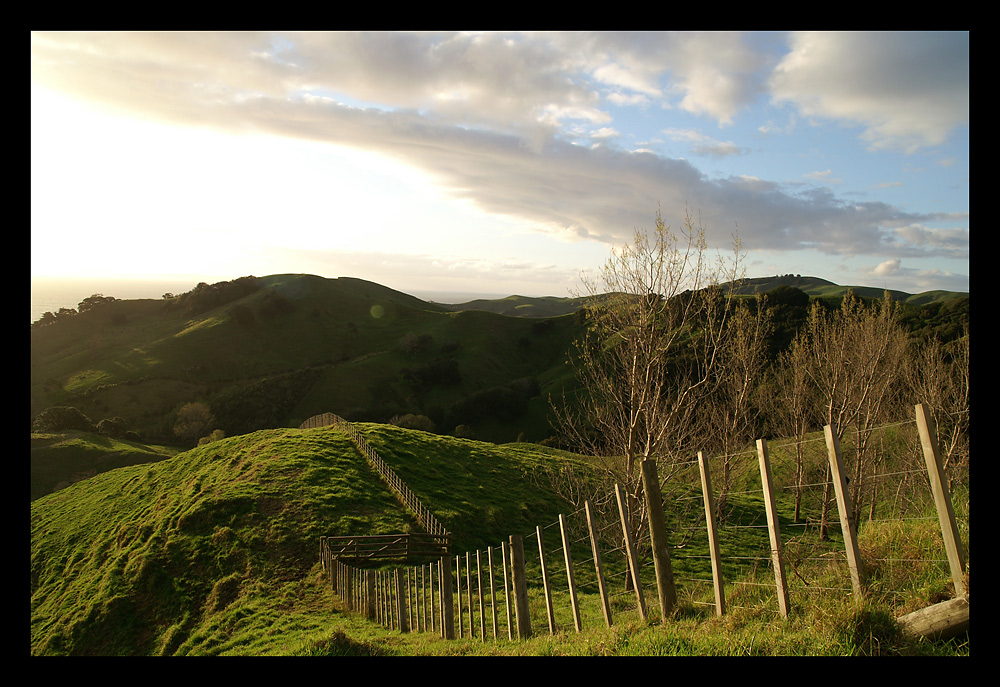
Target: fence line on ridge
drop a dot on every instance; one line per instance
(486, 593)
(398, 487)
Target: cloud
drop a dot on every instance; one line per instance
(485, 114)
(907, 90)
(887, 268)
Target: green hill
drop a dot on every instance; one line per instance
(215, 550)
(57, 460)
(272, 351)
(292, 347)
(821, 288)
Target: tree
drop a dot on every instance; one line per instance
(654, 327)
(61, 418)
(193, 421)
(732, 405)
(793, 408)
(938, 377)
(94, 301)
(855, 360)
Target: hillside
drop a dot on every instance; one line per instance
(215, 552)
(269, 352)
(215, 549)
(293, 347)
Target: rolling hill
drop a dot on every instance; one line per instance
(272, 351)
(293, 347)
(215, 549)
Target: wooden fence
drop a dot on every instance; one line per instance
(400, 547)
(398, 487)
(429, 597)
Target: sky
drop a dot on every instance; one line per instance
(497, 163)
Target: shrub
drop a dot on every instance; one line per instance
(60, 418)
(114, 427)
(410, 421)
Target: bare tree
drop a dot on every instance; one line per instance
(732, 407)
(938, 377)
(793, 406)
(855, 363)
(652, 344)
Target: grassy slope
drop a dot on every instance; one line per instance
(59, 459)
(214, 551)
(135, 360)
(196, 554)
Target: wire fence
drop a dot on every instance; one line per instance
(811, 529)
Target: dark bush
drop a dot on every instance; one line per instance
(61, 418)
(114, 427)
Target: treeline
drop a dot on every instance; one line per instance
(200, 299)
(777, 365)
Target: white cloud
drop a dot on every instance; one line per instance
(888, 267)
(485, 116)
(907, 90)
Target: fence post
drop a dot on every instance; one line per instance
(435, 621)
(569, 572)
(713, 536)
(468, 592)
(447, 602)
(773, 529)
(658, 539)
(506, 589)
(545, 582)
(458, 595)
(401, 603)
(346, 584)
(493, 592)
(633, 559)
(520, 587)
(479, 583)
(942, 498)
(847, 526)
(370, 594)
(592, 526)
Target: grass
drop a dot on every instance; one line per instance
(214, 551)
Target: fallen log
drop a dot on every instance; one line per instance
(940, 621)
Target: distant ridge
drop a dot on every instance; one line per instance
(822, 288)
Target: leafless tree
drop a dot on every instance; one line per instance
(938, 377)
(654, 332)
(732, 408)
(855, 358)
(792, 408)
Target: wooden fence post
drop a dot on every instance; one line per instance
(434, 610)
(942, 498)
(401, 604)
(520, 587)
(658, 539)
(713, 536)
(458, 595)
(598, 566)
(370, 594)
(545, 582)
(493, 592)
(447, 601)
(569, 572)
(345, 582)
(839, 479)
(482, 608)
(633, 558)
(506, 589)
(773, 529)
(468, 592)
